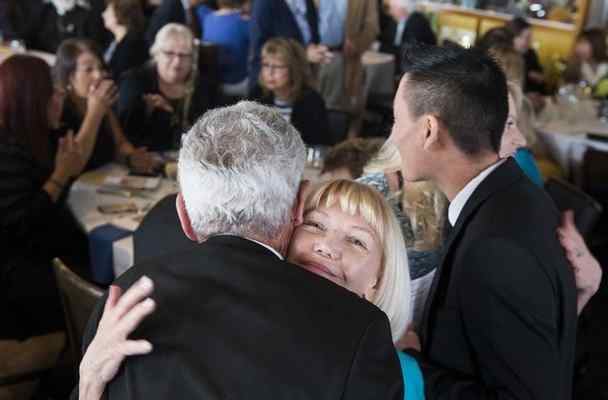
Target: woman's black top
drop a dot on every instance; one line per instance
(33, 230)
(308, 116)
(159, 130)
(104, 150)
(129, 53)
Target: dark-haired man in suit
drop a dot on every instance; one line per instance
(500, 322)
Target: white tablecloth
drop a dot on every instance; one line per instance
(84, 200)
(379, 72)
(568, 142)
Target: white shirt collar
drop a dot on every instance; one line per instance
(460, 200)
(186, 4)
(276, 253)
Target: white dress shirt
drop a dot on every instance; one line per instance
(460, 200)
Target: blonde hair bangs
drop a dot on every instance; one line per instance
(393, 288)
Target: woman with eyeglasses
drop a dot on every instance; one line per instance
(80, 72)
(286, 83)
(161, 99)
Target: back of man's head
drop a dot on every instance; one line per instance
(239, 171)
(464, 89)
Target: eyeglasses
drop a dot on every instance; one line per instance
(274, 67)
(173, 55)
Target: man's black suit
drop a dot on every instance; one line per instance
(501, 317)
(417, 30)
(235, 322)
(170, 11)
(272, 19)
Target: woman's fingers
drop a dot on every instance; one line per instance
(135, 294)
(136, 347)
(133, 318)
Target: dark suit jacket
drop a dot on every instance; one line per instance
(148, 244)
(273, 18)
(417, 30)
(235, 322)
(169, 11)
(130, 53)
(501, 318)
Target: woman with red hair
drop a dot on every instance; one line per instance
(35, 225)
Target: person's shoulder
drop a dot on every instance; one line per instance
(143, 74)
(310, 95)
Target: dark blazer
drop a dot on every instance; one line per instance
(273, 18)
(501, 317)
(148, 244)
(308, 116)
(130, 53)
(417, 30)
(235, 322)
(160, 130)
(169, 11)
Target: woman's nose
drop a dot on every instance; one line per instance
(329, 247)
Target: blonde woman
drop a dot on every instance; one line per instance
(286, 82)
(349, 236)
(161, 99)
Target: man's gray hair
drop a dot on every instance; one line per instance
(239, 171)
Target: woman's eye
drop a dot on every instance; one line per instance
(357, 242)
(313, 224)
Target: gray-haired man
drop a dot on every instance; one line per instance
(234, 320)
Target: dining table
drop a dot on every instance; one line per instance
(110, 235)
(569, 133)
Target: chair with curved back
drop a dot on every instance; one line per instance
(78, 297)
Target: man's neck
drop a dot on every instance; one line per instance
(456, 174)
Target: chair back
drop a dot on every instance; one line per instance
(587, 211)
(78, 297)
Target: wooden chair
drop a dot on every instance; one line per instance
(587, 210)
(79, 298)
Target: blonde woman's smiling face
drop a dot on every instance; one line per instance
(340, 247)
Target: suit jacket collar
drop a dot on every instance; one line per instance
(242, 243)
(503, 176)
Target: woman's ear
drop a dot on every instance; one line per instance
(370, 292)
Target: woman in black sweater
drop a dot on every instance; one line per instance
(125, 19)
(286, 83)
(35, 225)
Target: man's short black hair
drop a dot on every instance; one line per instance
(464, 88)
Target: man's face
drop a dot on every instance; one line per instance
(408, 136)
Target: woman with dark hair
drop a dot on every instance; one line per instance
(589, 61)
(79, 70)
(125, 19)
(522, 37)
(35, 225)
(286, 83)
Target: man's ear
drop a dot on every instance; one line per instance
(184, 219)
(432, 132)
(298, 205)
